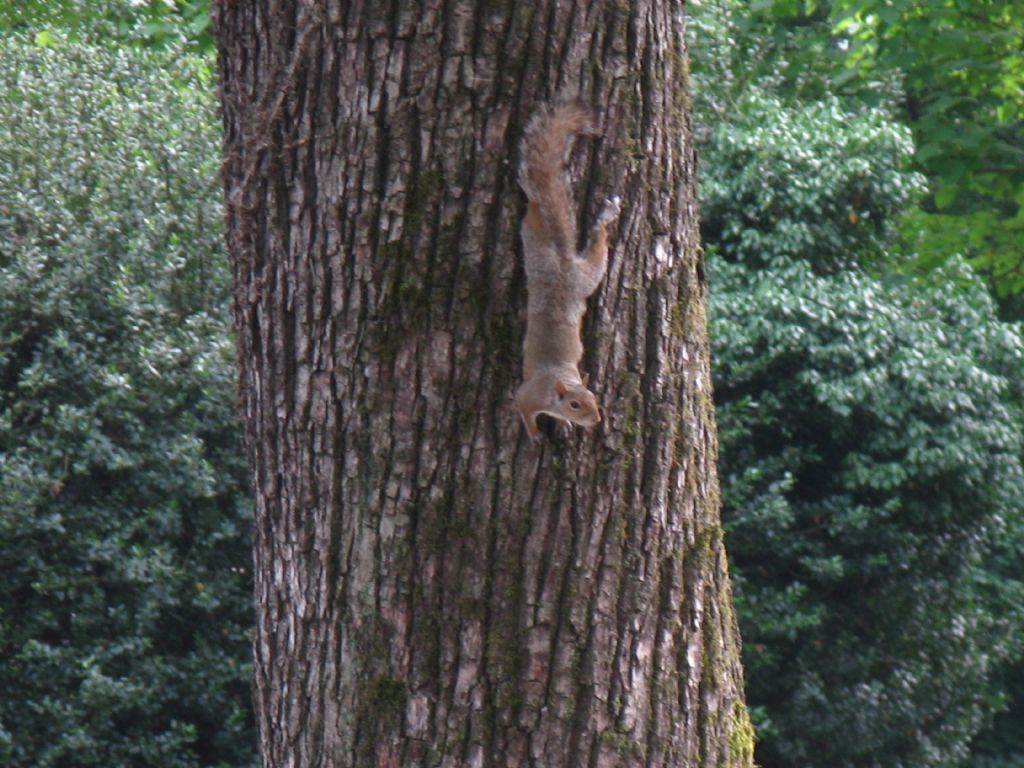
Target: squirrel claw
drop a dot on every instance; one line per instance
(612, 209)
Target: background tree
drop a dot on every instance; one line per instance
(432, 589)
(172, 24)
(950, 71)
(871, 423)
(871, 473)
(961, 73)
(124, 604)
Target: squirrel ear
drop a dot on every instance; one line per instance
(585, 379)
(560, 389)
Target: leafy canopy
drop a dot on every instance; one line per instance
(953, 71)
(815, 182)
(870, 423)
(148, 23)
(871, 469)
(124, 607)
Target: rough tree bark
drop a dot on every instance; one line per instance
(431, 588)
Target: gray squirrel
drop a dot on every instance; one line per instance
(558, 279)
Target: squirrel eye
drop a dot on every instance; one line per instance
(574, 404)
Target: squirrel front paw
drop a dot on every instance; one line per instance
(612, 209)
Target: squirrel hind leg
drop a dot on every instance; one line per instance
(596, 250)
(610, 211)
(594, 258)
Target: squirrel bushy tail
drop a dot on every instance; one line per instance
(540, 171)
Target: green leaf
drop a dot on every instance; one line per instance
(45, 38)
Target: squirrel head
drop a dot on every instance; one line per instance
(576, 403)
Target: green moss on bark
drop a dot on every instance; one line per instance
(741, 736)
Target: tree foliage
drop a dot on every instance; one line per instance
(871, 464)
(961, 69)
(134, 23)
(953, 72)
(814, 182)
(124, 608)
(871, 423)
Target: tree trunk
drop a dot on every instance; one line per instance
(432, 589)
